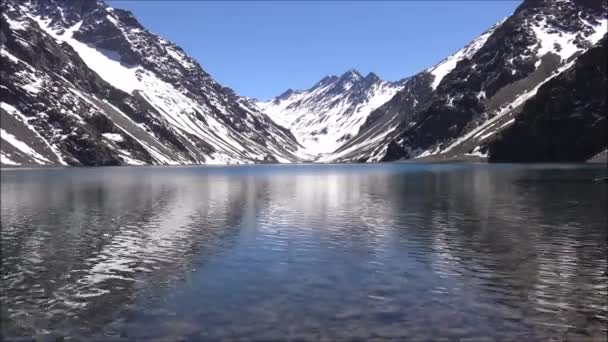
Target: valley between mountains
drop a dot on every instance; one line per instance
(85, 84)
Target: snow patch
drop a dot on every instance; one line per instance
(429, 152)
(477, 153)
(13, 24)
(4, 159)
(113, 136)
(563, 43)
(10, 56)
(23, 147)
(105, 63)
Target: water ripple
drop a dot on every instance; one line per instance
(305, 252)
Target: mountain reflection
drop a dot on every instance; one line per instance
(338, 252)
(82, 245)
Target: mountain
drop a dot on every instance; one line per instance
(566, 120)
(480, 90)
(86, 84)
(368, 145)
(372, 143)
(330, 113)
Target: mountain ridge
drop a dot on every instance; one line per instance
(327, 114)
(86, 84)
(167, 105)
(481, 94)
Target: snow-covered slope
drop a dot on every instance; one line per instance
(381, 124)
(329, 114)
(86, 84)
(371, 144)
(480, 90)
(447, 65)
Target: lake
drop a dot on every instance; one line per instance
(306, 252)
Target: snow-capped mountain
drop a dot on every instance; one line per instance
(373, 142)
(368, 145)
(86, 84)
(480, 90)
(330, 113)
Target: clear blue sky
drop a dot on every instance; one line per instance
(261, 48)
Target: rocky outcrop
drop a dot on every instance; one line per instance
(567, 119)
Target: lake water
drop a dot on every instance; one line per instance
(306, 252)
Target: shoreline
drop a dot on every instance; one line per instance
(425, 160)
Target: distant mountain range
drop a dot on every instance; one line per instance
(86, 84)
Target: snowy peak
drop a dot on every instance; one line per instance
(350, 79)
(286, 94)
(372, 78)
(331, 112)
(325, 81)
(350, 75)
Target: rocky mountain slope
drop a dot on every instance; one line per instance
(85, 84)
(330, 113)
(567, 119)
(475, 93)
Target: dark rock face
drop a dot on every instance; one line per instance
(566, 121)
(416, 90)
(80, 118)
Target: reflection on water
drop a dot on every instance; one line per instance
(305, 252)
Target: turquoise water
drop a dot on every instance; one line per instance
(309, 252)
